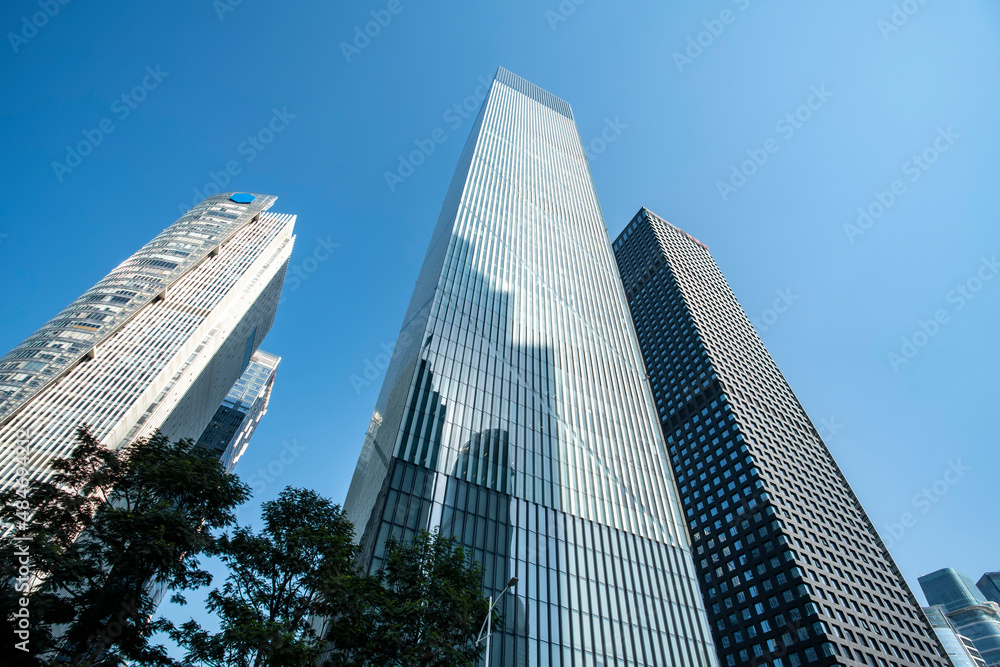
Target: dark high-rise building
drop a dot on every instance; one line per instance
(791, 569)
(515, 414)
(969, 612)
(229, 432)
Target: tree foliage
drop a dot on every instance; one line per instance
(104, 528)
(107, 527)
(294, 596)
(299, 565)
(423, 607)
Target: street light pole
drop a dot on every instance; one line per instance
(489, 633)
(488, 623)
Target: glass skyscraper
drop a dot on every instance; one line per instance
(960, 649)
(966, 608)
(516, 416)
(229, 432)
(989, 585)
(791, 568)
(156, 344)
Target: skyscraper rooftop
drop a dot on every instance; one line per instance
(515, 413)
(790, 566)
(156, 344)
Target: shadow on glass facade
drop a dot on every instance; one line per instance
(515, 414)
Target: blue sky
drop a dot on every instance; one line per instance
(759, 128)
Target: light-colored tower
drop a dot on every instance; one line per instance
(515, 413)
(156, 344)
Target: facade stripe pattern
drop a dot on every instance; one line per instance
(516, 415)
(169, 359)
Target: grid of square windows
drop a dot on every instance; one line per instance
(790, 566)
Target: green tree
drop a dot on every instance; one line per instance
(294, 596)
(301, 564)
(424, 607)
(104, 527)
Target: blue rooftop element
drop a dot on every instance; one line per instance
(242, 198)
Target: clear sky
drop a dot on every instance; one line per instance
(841, 105)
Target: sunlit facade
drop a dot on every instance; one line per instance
(157, 343)
(516, 416)
(791, 568)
